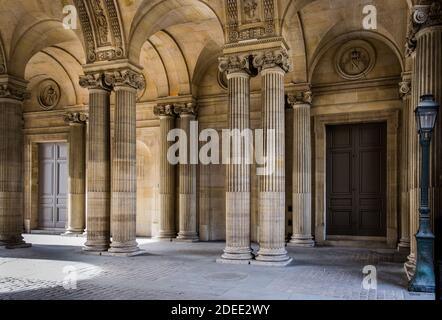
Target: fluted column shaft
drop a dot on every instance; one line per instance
(407, 111)
(98, 170)
(77, 173)
(124, 175)
(427, 79)
(272, 185)
(167, 175)
(302, 175)
(11, 167)
(187, 182)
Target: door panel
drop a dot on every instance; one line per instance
(53, 185)
(356, 180)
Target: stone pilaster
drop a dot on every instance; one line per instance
(238, 171)
(167, 174)
(273, 66)
(98, 164)
(187, 179)
(77, 173)
(405, 93)
(124, 162)
(302, 170)
(12, 94)
(426, 40)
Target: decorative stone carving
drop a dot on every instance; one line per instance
(355, 60)
(101, 25)
(189, 108)
(423, 16)
(301, 97)
(255, 19)
(164, 110)
(127, 78)
(271, 59)
(75, 118)
(232, 64)
(2, 59)
(48, 94)
(405, 88)
(94, 81)
(13, 92)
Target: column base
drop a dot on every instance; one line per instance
(110, 253)
(301, 241)
(236, 256)
(272, 258)
(95, 246)
(166, 236)
(187, 237)
(123, 248)
(74, 234)
(15, 243)
(404, 246)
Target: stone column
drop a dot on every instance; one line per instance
(167, 174)
(425, 39)
(98, 164)
(187, 175)
(12, 94)
(302, 170)
(124, 163)
(77, 173)
(273, 65)
(238, 247)
(405, 92)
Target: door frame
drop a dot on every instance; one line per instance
(31, 175)
(391, 117)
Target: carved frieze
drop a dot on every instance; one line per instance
(101, 25)
(250, 19)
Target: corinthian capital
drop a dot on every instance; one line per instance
(75, 118)
(94, 81)
(236, 63)
(164, 110)
(271, 59)
(125, 78)
(13, 88)
(186, 109)
(300, 98)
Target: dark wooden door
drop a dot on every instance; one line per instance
(356, 180)
(53, 185)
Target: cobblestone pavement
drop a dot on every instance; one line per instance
(189, 272)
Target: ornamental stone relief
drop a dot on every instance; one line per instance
(101, 25)
(355, 60)
(48, 94)
(250, 19)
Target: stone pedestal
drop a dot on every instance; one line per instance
(273, 66)
(98, 164)
(167, 174)
(187, 183)
(302, 170)
(238, 247)
(77, 174)
(12, 94)
(124, 163)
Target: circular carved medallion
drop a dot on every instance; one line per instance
(355, 60)
(48, 94)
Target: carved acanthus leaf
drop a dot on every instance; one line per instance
(271, 59)
(75, 118)
(300, 98)
(164, 110)
(125, 78)
(234, 63)
(94, 81)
